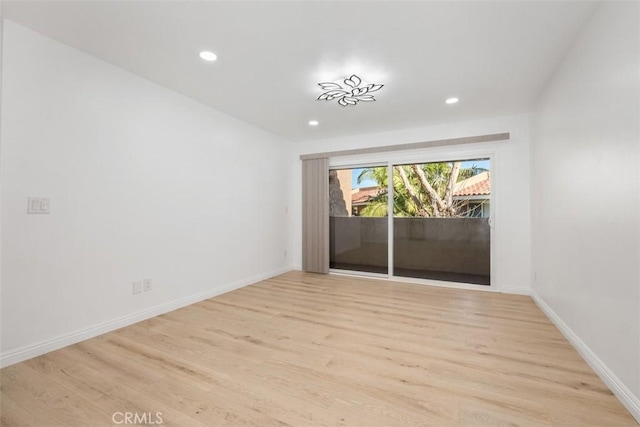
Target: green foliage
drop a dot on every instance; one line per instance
(377, 206)
(438, 176)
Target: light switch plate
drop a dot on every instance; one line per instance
(137, 287)
(38, 205)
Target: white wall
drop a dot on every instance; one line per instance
(1, 44)
(586, 211)
(510, 182)
(143, 183)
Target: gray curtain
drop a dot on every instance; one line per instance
(315, 215)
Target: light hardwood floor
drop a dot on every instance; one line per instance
(303, 349)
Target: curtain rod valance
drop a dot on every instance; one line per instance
(409, 146)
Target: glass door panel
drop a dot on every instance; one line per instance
(441, 221)
(358, 221)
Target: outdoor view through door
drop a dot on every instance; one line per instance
(440, 220)
(357, 241)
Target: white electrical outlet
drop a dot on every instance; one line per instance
(38, 205)
(147, 286)
(137, 287)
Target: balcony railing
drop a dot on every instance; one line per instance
(451, 249)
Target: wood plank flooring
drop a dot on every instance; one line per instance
(313, 350)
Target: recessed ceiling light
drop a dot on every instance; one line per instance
(208, 56)
(452, 100)
(313, 123)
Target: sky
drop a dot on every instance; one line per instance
(370, 183)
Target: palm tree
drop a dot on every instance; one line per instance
(420, 190)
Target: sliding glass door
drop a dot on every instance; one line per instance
(358, 237)
(440, 221)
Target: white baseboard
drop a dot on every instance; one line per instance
(517, 290)
(628, 399)
(29, 351)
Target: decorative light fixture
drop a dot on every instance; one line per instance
(452, 101)
(351, 93)
(208, 56)
(313, 123)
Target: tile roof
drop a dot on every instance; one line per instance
(362, 195)
(477, 185)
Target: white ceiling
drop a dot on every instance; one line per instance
(495, 56)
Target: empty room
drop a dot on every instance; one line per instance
(320, 213)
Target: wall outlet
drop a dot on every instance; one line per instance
(146, 285)
(137, 287)
(38, 205)
(285, 253)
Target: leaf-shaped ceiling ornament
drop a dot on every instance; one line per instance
(349, 92)
(329, 86)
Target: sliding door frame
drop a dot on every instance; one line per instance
(448, 154)
(356, 272)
